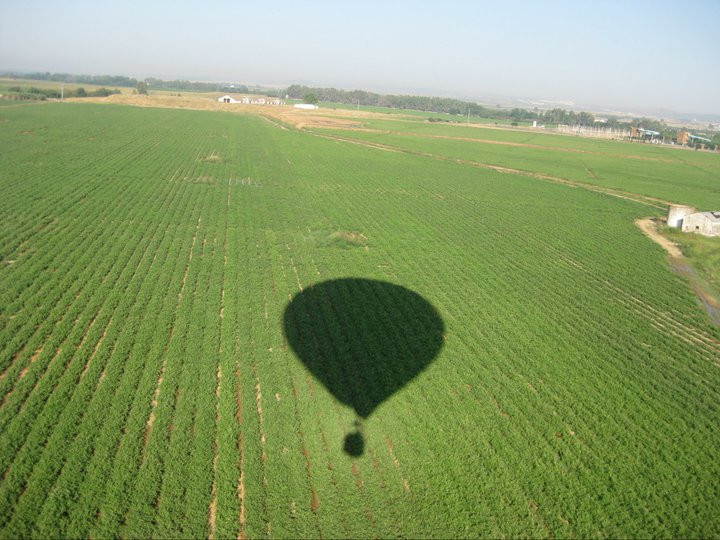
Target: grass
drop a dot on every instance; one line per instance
(675, 175)
(414, 115)
(6, 82)
(703, 253)
(192, 358)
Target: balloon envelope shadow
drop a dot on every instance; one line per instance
(364, 339)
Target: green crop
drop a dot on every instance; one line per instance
(148, 387)
(674, 174)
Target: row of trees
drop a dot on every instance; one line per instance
(149, 82)
(371, 99)
(440, 105)
(99, 80)
(195, 86)
(462, 108)
(553, 116)
(42, 94)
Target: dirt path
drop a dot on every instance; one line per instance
(287, 118)
(647, 226)
(683, 267)
(635, 197)
(520, 145)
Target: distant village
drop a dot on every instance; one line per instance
(636, 134)
(245, 100)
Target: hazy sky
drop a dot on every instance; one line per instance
(630, 53)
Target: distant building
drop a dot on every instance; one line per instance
(643, 134)
(683, 137)
(307, 106)
(705, 223)
(245, 100)
(678, 213)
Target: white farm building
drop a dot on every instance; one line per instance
(688, 219)
(308, 106)
(705, 223)
(248, 101)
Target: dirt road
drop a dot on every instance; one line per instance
(647, 226)
(681, 265)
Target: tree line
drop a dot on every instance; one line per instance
(371, 99)
(149, 82)
(461, 108)
(450, 106)
(99, 80)
(20, 93)
(196, 86)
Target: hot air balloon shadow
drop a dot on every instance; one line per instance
(364, 340)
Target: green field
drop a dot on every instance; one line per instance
(214, 327)
(8, 82)
(413, 115)
(673, 174)
(703, 253)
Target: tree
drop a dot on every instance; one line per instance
(310, 97)
(142, 87)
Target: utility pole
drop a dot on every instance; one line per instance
(468, 114)
(62, 91)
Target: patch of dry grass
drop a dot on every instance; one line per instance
(213, 157)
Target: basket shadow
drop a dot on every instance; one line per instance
(363, 339)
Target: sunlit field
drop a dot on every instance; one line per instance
(218, 325)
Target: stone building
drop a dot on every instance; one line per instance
(677, 213)
(705, 223)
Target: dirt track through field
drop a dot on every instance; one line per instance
(712, 305)
(680, 264)
(513, 144)
(635, 197)
(647, 226)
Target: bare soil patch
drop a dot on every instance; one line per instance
(328, 118)
(648, 227)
